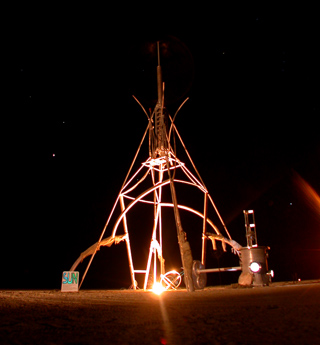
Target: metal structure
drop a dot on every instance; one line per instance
(162, 170)
(254, 263)
(250, 224)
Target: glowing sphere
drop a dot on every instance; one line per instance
(255, 267)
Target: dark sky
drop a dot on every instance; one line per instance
(72, 129)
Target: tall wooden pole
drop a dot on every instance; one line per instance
(184, 246)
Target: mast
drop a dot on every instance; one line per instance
(160, 143)
(161, 149)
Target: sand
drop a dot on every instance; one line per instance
(282, 313)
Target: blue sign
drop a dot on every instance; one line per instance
(70, 281)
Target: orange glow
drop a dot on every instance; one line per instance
(158, 288)
(311, 196)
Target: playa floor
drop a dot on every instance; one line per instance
(283, 313)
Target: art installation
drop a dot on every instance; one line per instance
(161, 171)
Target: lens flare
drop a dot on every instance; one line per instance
(158, 288)
(311, 197)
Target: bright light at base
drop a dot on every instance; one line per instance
(255, 267)
(158, 288)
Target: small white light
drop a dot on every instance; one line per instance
(255, 267)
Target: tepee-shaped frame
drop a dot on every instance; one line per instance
(160, 171)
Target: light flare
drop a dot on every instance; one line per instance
(157, 288)
(312, 198)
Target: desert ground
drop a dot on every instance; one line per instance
(282, 313)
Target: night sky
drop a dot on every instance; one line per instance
(71, 130)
